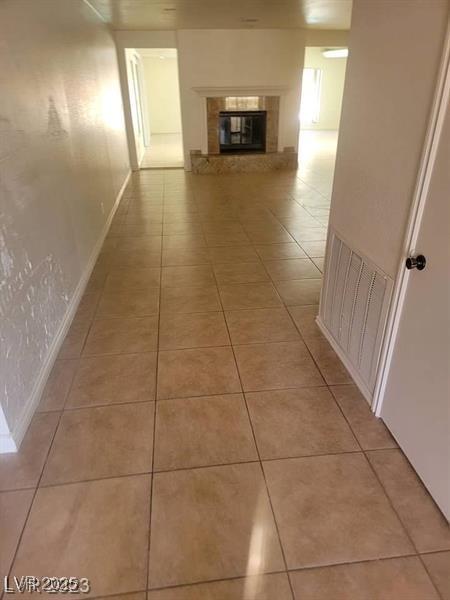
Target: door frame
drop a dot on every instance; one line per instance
(136, 103)
(420, 197)
(143, 104)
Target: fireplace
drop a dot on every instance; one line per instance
(242, 131)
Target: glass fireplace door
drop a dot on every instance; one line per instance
(243, 131)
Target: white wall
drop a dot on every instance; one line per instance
(145, 39)
(163, 94)
(395, 49)
(332, 87)
(239, 57)
(326, 37)
(63, 160)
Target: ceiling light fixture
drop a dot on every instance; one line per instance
(249, 20)
(169, 9)
(335, 53)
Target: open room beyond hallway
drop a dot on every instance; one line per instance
(317, 158)
(155, 117)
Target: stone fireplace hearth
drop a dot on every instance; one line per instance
(236, 146)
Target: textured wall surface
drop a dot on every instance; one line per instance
(63, 159)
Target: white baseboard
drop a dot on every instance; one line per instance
(10, 442)
(348, 365)
(7, 444)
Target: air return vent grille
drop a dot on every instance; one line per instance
(353, 307)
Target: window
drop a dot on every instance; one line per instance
(310, 102)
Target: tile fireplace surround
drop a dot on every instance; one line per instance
(271, 159)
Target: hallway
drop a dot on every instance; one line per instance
(197, 427)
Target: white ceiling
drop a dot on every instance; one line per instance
(225, 14)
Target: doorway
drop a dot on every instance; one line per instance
(320, 110)
(155, 107)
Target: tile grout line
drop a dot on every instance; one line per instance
(405, 530)
(122, 595)
(155, 416)
(190, 468)
(172, 398)
(212, 581)
(390, 502)
(154, 400)
(374, 472)
(198, 467)
(370, 466)
(316, 364)
(259, 460)
(78, 358)
(37, 487)
(243, 577)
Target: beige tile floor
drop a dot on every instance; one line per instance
(165, 150)
(198, 438)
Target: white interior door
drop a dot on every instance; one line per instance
(416, 404)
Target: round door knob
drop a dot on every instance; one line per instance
(418, 262)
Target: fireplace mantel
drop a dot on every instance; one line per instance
(214, 100)
(218, 92)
